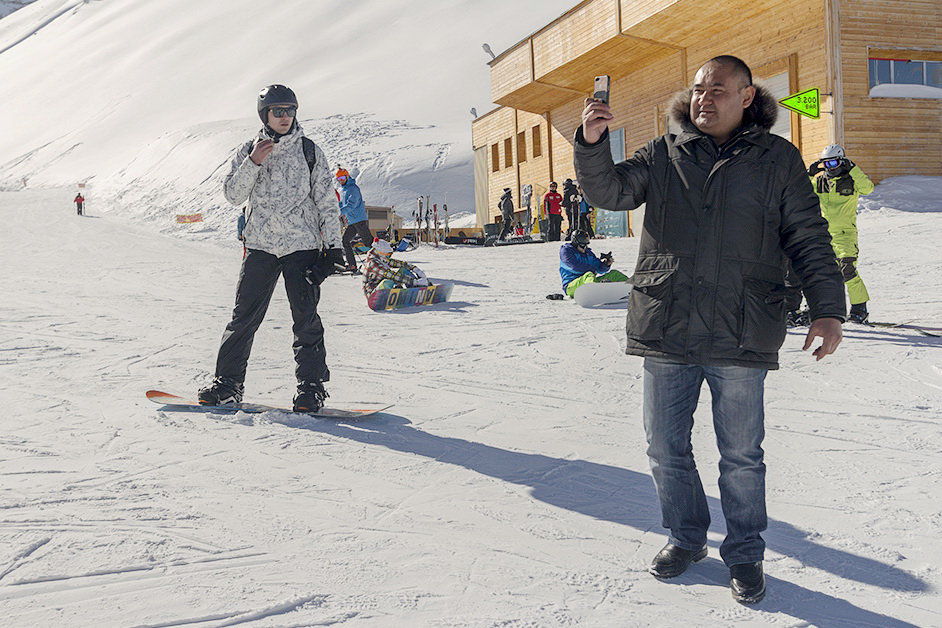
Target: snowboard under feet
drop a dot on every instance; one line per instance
(184, 404)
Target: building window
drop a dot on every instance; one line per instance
(777, 84)
(508, 153)
(894, 75)
(537, 146)
(521, 147)
(495, 158)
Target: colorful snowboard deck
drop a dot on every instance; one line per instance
(398, 298)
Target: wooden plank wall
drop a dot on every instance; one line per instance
(889, 136)
(512, 72)
(495, 128)
(583, 29)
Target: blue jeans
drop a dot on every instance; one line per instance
(671, 390)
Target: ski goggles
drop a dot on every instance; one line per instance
(281, 112)
(831, 164)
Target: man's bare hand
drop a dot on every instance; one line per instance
(595, 119)
(262, 150)
(830, 332)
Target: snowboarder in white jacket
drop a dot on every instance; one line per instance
(292, 230)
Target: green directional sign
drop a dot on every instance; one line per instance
(807, 103)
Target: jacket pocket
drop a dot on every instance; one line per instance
(763, 316)
(648, 304)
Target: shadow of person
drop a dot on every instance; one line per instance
(628, 498)
(787, 598)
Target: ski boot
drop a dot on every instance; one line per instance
(221, 392)
(858, 313)
(797, 318)
(310, 397)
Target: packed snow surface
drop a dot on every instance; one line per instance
(507, 486)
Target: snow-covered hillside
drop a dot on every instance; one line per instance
(144, 100)
(507, 486)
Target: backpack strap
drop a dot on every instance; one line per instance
(310, 154)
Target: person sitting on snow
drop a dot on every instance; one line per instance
(578, 265)
(381, 271)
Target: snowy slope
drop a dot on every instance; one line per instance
(508, 486)
(149, 97)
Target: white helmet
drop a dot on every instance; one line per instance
(832, 151)
(382, 247)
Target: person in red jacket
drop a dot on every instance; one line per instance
(79, 203)
(552, 203)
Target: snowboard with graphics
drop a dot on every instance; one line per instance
(398, 298)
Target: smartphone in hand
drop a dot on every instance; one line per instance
(602, 88)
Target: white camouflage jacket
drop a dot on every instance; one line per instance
(290, 207)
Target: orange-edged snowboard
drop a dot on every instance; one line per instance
(184, 404)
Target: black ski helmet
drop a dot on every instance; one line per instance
(580, 238)
(274, 95)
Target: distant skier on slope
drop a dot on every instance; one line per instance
(381, 271)
(578, 265)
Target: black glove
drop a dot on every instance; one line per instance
(606, 258)
(323, 267)
(335, 258)
(815, 168)
(848, 164)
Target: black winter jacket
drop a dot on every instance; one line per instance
(719, 223)
(506, 204)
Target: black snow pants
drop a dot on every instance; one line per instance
(361, 229)
(260, 271)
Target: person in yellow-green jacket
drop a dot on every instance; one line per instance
(838, 183)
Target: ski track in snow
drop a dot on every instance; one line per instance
(508, 486)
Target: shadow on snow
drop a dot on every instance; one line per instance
(628, 498)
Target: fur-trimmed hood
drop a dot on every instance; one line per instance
(763, 112)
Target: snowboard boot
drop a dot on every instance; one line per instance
(747, 582)
(797, 318)
(673, 560)
(310, 397)
(221, 392)
(858, 313)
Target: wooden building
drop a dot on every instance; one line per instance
(382, 218)
(877, 63)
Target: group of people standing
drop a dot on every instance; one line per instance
(708, 296)
(577, 208)
(571, 200)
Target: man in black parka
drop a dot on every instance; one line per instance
(726, 203)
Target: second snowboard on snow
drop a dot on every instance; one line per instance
(596, 294)
(398, 298)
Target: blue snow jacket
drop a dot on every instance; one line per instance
(351, 202)
(573, 264)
